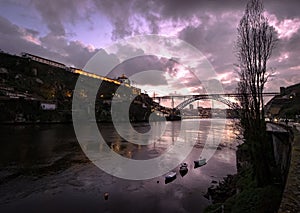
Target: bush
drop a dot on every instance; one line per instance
(255, 200)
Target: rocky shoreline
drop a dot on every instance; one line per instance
(239, 193)
(220, 191)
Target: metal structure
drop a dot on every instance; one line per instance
(218, 97)
(185, 103)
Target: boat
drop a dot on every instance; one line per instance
(199, 163)
(170, 177)
(183, 170)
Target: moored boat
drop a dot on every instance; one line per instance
(170, 177)
(183, 170)
(199, 163)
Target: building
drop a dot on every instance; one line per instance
(123, 79)
(286, 104)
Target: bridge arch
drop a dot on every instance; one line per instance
(219, 98)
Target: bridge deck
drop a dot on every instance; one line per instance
(207, 95)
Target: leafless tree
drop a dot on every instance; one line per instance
(255, 43)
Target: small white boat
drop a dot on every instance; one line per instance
(199, 163)
(170, 177)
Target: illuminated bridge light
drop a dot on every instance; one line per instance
(92, 75)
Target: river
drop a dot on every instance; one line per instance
(43, 169)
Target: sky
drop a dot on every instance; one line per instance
(73, 32)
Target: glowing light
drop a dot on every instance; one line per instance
(92, 75)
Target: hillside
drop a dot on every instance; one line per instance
(42, 91)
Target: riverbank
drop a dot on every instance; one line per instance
(239, 193)
(291, 195)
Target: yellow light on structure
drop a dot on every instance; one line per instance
(68, 94)
(92, 75)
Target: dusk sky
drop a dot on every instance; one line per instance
(72, 32)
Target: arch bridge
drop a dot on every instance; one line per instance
(216, 97)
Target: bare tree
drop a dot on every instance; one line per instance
(255, 42)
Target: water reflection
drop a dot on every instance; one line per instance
(43, 162)
(170, 136)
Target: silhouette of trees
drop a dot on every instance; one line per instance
(255, 42)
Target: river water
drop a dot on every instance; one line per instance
(44, 169)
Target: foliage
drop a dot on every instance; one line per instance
(255, 42)
(251, 199)
(255, 200)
